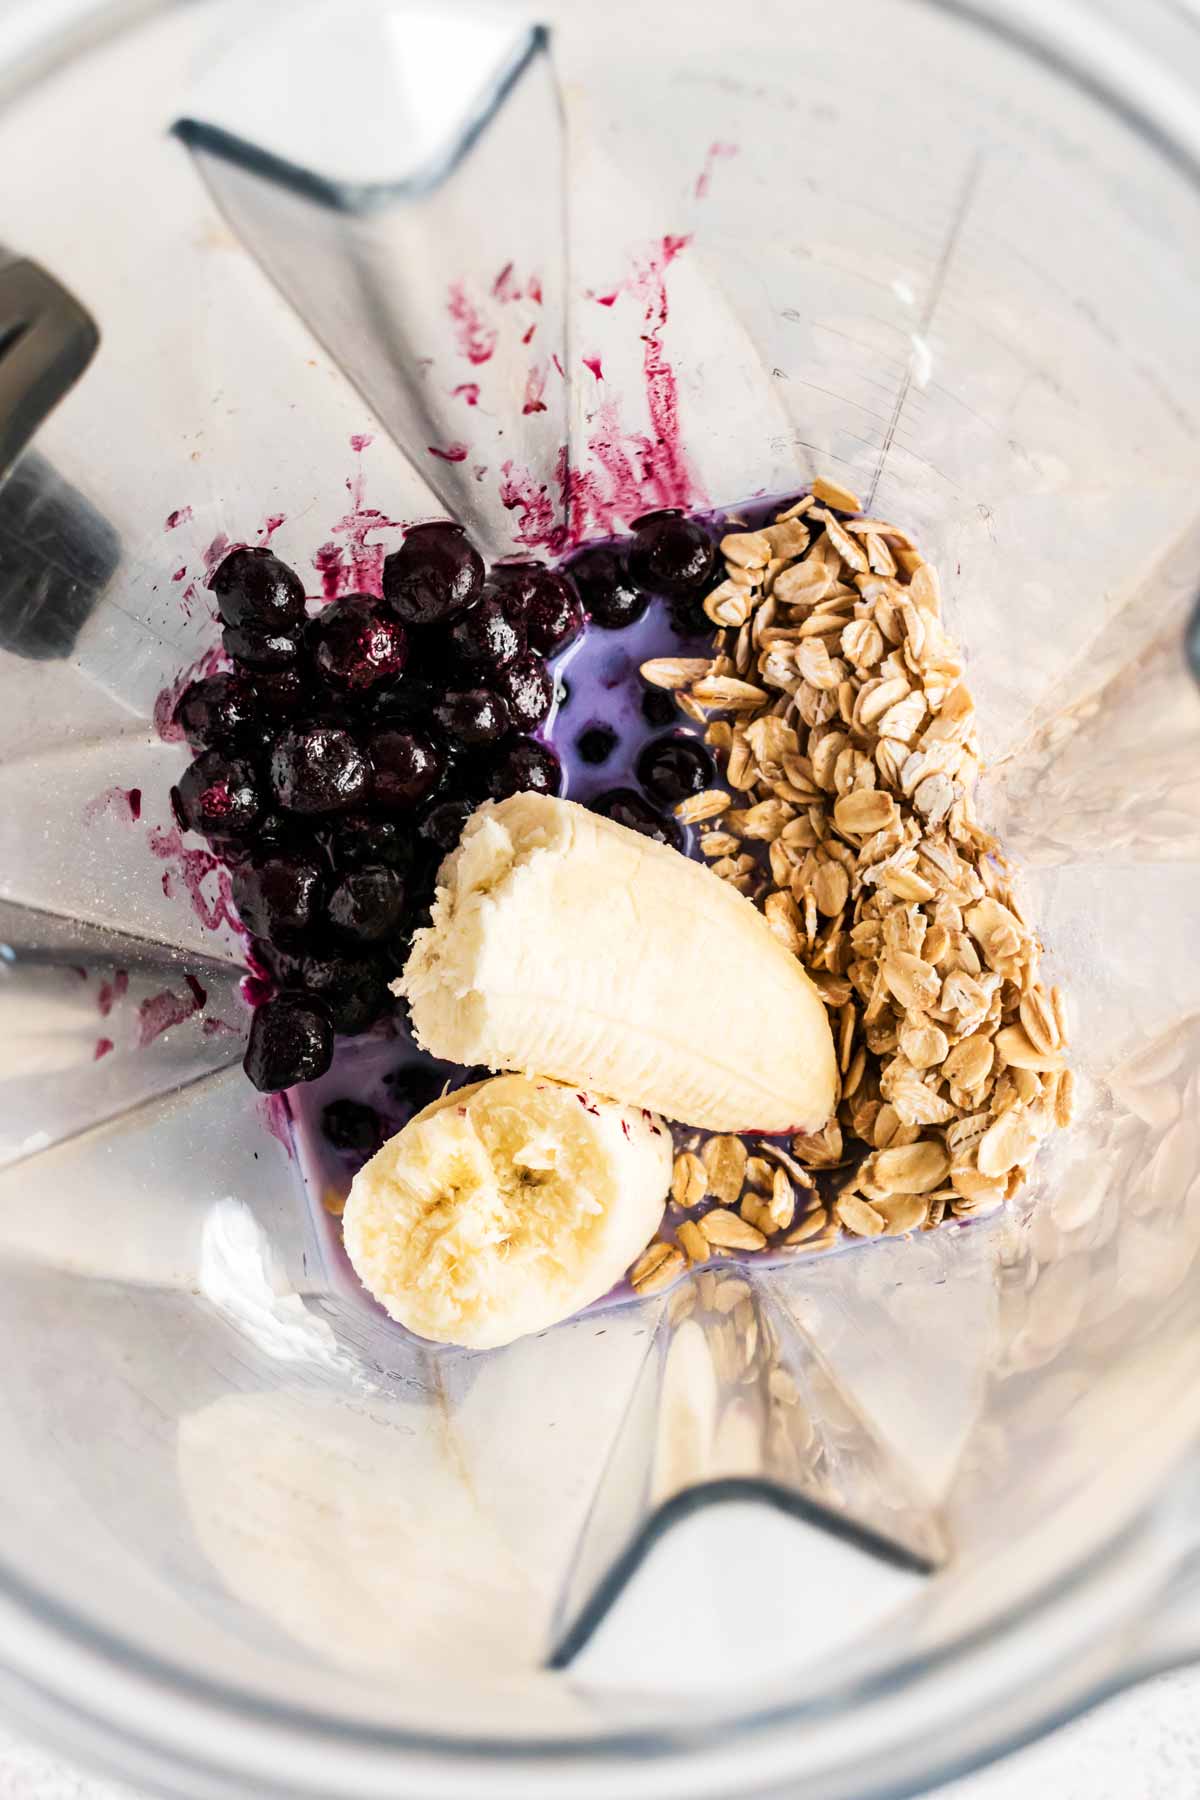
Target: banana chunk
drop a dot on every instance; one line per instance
(505, 1207)
(564, 943)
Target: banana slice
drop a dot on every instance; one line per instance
(564, 943)
(505, 1207)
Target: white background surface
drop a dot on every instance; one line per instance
(1144, 1745)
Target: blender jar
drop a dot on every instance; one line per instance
(254, 1540)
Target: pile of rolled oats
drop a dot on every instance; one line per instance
(837, 706)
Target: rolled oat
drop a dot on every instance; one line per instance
(836, 705)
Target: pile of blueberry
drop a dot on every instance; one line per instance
(338, 758)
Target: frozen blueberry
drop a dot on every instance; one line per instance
(441, 826)
(216, 712)
(367, 905)
(291, 1040)
(626, 807)
(218, 795)
(672, 768)
(360, 839)
(554, 616)
(255, 589)
(281, 692)
(257, 648)
(688, 617)
(432, 658)
(473, 715)
(545, 603)
(611, 597)
(279, 897)
(319, 769)
(596, 744)
(509, 575)
(471, 770)
(436, 573)
(484, 637)
(527, 690)
(407, 766)
(525, 767)
(658, 707)
(354, 645)
(421, 887)
(278, 833)
(353, 988)
(412, 1087)
(671, 553)
(414, 698)
(351, 1126)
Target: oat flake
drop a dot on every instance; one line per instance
(836, 706)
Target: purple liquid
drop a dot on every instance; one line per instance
(601, 673)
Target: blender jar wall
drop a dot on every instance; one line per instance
(920, 259)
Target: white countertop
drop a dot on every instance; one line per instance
(1145, 1745)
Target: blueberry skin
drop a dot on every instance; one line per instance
(525, 767)
(319, 769)
(673, 768)
(435, 575)
(672, 554)
(627, 807)
(255, 590)
(291, 1040)
(612, 597)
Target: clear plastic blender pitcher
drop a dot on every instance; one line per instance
(253, 1540)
